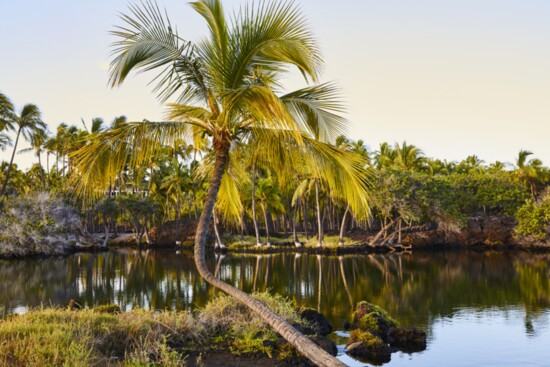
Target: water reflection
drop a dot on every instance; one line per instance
(417, 288)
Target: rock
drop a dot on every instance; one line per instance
(374, 319)
(317, 320)
(367, 347)
(325, 343)
(347, 325)
(489, 230)
(376, 324)
(407, 339)
(183, 231)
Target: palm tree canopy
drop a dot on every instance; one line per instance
(227, 89)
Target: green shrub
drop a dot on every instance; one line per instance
(533, 219)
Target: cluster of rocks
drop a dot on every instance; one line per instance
(375, 335)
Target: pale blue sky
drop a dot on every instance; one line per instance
(454, 77)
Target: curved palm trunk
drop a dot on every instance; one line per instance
(11, 164)
(319, 220)
(304, 345)
(254, 220)
(343, 227)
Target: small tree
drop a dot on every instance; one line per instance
(108, 210)
(139, 212)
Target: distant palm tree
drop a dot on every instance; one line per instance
(27, 122)
(408, 157)
(38, 139)
(497, 166)
(471, 164)
(529, 172)
(269, 196)
(385, 156)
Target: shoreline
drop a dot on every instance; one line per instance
(290, 248)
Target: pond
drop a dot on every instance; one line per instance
(478, 308)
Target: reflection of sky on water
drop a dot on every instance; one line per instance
(479, 309)
(482, 338)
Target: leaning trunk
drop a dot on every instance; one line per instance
(5, 186)
(342, 227)
(304, 345)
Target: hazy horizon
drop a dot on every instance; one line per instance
(454, 78)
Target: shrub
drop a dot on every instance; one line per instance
(38, 224)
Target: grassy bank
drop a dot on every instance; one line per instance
(107, 337)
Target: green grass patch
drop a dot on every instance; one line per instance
(107, 337)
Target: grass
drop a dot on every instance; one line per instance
(108, 337)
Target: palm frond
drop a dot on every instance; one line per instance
(134, 144)
(318, 110)
(147, 42)
(272, 36)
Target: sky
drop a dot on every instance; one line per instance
(453, 77)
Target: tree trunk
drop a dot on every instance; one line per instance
(269, 223)
(216, 232)
(383, 231)
(304, 345)
(319, 219)
(106, 224)
(41, 169)
(399, 233)
(254, 219)
(305, 220)
(297, 242)
(268, 237)
(4, 187)
(342, 227)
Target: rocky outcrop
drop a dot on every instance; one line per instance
(177, 232)
(376, 335)
(407, 339)
(477, 231)
(367, 347)
(317, 321)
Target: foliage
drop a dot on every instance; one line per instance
(56, 337)
(247, 331)
(534, 218)
(38, 223)
(62, 337)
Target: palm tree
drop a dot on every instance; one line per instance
(472, 164)
(529, 172)
(268, 194)
(226, 89)
(385, 156)
(28, 121)
(38, 140)
(408, 157)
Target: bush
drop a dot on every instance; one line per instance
(534, 218)
(38, 224)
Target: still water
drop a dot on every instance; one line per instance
(479, 309)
